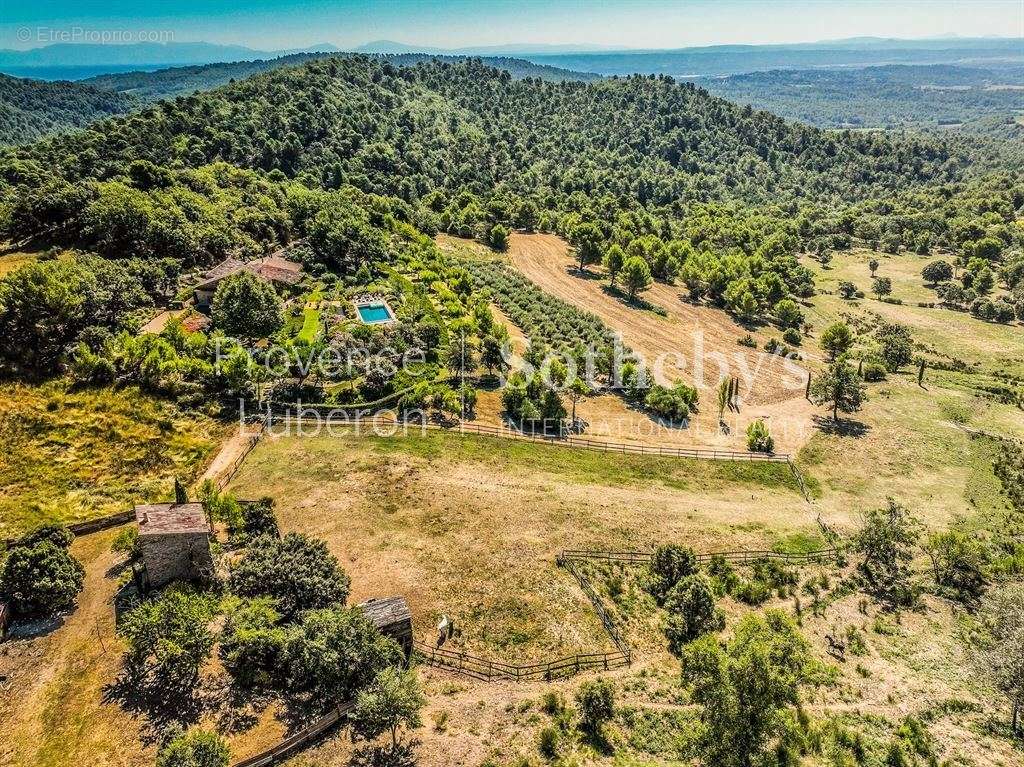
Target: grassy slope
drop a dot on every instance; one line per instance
(910, 450)
(73, 455)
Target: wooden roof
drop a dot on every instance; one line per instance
(386, 611)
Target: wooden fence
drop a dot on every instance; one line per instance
(368, 427)
(541, 671)
(547, 670)
(738, 557)
(229, 473)
(298, 740)
(569, 565)
(92, 526)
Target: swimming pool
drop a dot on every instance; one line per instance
(373, 314)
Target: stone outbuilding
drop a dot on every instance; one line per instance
(392, 618)
(175, 542)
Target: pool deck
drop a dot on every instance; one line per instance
(374, 303)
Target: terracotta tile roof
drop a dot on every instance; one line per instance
(196, 322)
(274, 273)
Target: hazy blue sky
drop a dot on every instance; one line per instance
(634, 23)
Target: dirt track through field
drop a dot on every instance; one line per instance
(696, 344)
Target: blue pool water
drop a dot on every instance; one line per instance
(373, 313)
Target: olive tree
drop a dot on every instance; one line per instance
(887, 539)
(391, 701)
(169, 638)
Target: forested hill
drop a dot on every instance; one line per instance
(364, 160)
(407, 131)
(166, 83)
(30, 109)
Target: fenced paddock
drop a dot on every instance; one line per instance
(542, 671)
(381, 427)
(744, 557)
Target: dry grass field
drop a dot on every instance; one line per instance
(52, 709)
(69, 455)
(470, 526)
(949, 333)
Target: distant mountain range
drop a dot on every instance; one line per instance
(722, 60)
(513, 49)
(77, 61)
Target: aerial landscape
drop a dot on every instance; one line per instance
(511, 384)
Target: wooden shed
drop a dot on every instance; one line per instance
(392, 618)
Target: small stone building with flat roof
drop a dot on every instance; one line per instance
(175, 542)
(392, 618)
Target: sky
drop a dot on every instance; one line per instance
(281, 24)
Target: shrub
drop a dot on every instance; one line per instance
(595, 704)
(848, 290)
(334, 653)
(669, 564)
(691, 612)
(753, 593)
(252, 643)
(297, 571)
(792, 336)
(874, 370)
(39, 576)
(547, 742)
(197, 748)
(126, 542)
(960, 564)
(897, 345)
(259, 518)
(759, 439)
(674, 404)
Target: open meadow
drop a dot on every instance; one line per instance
(469, 526)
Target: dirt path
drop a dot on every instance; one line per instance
(230, 451)
(53, 712)
(697, 344)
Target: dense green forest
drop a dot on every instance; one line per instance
(347, 150)
(880, 97)
(167, 83)
(31, 109)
